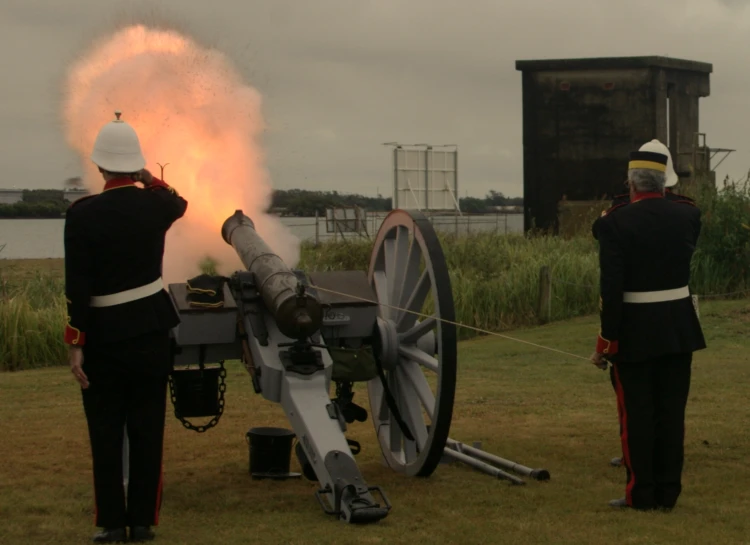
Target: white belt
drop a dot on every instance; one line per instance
(656, 296)
(128, 295)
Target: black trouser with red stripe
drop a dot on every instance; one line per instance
(651, 400)
(127, 387)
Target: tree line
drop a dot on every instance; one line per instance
(51, 203)
(304, 203)
(37, 203)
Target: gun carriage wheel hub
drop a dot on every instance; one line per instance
(386, 343)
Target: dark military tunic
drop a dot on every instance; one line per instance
(647, 246)
(114, 242)
(622, 200)
(649, 330)
(121, 316)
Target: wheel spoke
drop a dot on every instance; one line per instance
(412, 275)
(418, 331)
(411, 412)
(418, 382)
(416, 355)
(415, 303)
(381, 290)
(410, 255)
(382, 406)
(389, 254)
(395, 434)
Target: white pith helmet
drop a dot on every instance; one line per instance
(657, 147)
(117, 148)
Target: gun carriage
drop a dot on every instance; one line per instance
(296, 333)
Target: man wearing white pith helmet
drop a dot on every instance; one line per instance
(119, 319)
(649, 327)
(619, 201)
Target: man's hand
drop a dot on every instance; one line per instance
(145, 177)
(75, 358)
(598, 360)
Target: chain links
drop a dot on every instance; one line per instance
(215, 419)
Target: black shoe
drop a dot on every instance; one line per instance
(616, 462)
(619, 503)
(111, 535)
(141, 533)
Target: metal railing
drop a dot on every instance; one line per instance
(318, 231)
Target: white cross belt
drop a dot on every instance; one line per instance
(128, 295)
(656, 296)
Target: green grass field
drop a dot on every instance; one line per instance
(538, 408)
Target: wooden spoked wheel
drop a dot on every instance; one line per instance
(417, 352)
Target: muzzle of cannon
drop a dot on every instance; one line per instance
(297, 315)
(391, 327)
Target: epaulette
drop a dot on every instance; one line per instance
(676, 197)
(612, 209)
(75, 202)
(171, 189)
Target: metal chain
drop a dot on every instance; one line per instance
(215, 419)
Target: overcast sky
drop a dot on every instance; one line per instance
(340, 77)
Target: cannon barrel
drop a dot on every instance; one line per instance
(297, 315)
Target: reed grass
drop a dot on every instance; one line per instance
(32, 317)
(494, 277)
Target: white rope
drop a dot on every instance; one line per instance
(452, 323)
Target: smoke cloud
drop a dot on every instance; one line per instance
(191, 110)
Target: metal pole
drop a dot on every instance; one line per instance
(317, 228)
(538, 474)
(481, 466)
(394, 198)
(125, 458)
(162, 170)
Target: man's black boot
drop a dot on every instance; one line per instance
(111, 535)
(141, 533)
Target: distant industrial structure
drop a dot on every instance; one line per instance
(582, 117)
(425, 177)
(12, 196)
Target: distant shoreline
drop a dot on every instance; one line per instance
(32, 218)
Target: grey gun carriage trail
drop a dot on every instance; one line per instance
(296, 333)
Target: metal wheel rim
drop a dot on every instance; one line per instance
(400, 233)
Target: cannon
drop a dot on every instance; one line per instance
(392, 327)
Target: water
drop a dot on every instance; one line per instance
(43, 238)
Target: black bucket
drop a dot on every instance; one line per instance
(196, 391)
(270, 453)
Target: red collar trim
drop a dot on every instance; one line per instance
(644, 196)
(118, 183)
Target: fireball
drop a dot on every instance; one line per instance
(194, 114)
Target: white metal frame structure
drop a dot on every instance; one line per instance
(425, 177)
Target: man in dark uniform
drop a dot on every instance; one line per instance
(619, 201)
(119, 319)
(649, 329)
